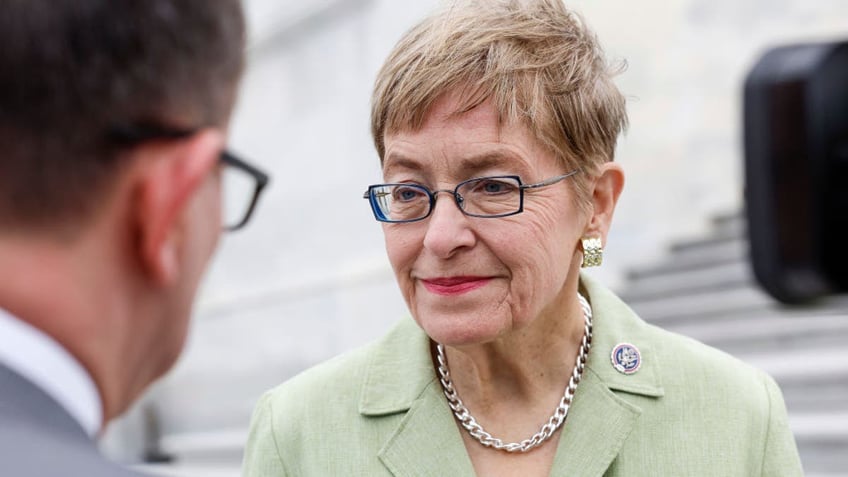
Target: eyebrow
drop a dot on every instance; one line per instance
(398, 161)
(466, 165)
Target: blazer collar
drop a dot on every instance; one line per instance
(25, 403)
(401, 378)
(427, 442)
(399, 371)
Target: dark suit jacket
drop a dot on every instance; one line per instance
(38, 438)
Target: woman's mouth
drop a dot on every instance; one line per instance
(454, 285)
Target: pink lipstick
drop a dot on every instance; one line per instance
(450, 286)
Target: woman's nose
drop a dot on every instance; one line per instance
(448, 229)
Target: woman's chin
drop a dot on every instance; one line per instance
(460, 331)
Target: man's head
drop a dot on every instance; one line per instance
(112, 122)
(75, 74)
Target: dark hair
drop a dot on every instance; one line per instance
(73, 72)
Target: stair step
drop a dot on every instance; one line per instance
(800, 365)
(711, 304)
(179, 469)
(822, 438)
(222, 445)
(705, 254)
(784, 333)
(734, 223)
(712, 276)
(820, 426)
(824, 393)
(727, 233)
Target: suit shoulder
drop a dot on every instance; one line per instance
(69, 454)
(687, 362)
(343, 376)
(672, 346)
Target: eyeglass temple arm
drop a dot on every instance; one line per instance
(552, 180)
(261, 177)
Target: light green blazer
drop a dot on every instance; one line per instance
(689, 410)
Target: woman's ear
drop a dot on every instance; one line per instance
(605, 192)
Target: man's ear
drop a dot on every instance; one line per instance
(168, 175)
(607, 189)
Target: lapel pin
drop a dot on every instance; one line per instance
(626, 358)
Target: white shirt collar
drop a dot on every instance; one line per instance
(39, 358)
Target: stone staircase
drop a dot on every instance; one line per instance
(705, 289)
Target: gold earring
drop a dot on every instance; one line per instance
(593, 252)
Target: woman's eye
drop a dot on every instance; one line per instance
(406, 193)
(495, 187)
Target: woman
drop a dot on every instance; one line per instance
(496, 123)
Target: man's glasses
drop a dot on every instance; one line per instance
(488, 197)
(241, 182)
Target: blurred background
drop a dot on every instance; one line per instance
(308, 279)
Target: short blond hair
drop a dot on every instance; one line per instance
(535, 60)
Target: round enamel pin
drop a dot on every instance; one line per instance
(626, 358)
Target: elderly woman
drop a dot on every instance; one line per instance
(496, 123)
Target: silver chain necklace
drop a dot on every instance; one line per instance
(476, 430)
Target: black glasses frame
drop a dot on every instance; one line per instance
(371, 195)
(129, 135)
(260, 181)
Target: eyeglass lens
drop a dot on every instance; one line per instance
(485, 197)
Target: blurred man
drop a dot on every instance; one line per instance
(113, 115)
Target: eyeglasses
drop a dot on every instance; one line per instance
(487, 197)
(241, 182)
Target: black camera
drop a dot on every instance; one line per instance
(796, 170)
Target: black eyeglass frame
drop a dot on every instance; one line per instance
(129, 135)
(260, 180)
(458, 199)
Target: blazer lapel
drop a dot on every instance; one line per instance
(597, 426)
(427, 441)
(401, 379)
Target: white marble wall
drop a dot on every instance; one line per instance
(687, 63)
(308, 279)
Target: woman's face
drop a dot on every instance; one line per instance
(470, 280)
